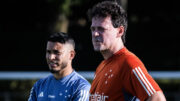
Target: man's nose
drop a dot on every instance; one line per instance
(95, 33)
(51, 56)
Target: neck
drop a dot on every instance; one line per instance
(62, 73)
(113, 49)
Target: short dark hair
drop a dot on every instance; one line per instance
(62, 37)
(112, 9)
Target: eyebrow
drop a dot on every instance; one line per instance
(54, 51)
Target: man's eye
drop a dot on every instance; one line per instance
(101, 29)
(47, 51)
(92, 28)
(58, 53)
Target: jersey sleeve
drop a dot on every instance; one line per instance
(140, 82)
(32, 96)
(82, 92)
(144, 85)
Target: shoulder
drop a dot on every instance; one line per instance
(128, 61)
(81, 86)
(80, 79)
(80, 82)
(131, 60)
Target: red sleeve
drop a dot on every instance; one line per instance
(143, 84)
(140, 83)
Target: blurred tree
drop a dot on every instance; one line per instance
(63, 12)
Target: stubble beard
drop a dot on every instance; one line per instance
(99, 48)
(62, 66)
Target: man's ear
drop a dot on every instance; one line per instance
(120, 31)
(72, 54)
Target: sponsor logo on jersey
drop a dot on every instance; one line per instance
(98, 97)
(41, 94)
(51, 96)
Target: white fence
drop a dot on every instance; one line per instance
(24, 75)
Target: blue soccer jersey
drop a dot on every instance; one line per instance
(72, 87)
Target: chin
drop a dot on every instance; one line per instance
(54, 71)
(97, 49)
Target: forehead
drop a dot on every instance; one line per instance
(54, 46)
(101, 21)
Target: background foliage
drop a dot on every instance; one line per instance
(152, 32)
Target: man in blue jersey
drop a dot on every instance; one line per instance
(65, 84)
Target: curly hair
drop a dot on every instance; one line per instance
(112, 9)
